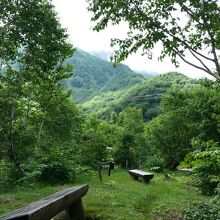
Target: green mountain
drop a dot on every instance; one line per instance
(93, 76)
(146, 95)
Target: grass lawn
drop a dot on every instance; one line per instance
(119, 196)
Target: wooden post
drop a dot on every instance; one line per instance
(99, 172)
(109, 170)
(126, 165)
(111, 167)
(75, 211)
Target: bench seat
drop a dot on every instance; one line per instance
(68, 199)
(139, 173)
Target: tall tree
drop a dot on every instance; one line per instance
(30, 33)
(33, 47)
(156, 21)
(132, 142)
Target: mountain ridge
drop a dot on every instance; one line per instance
(93, 76)
(146, 95)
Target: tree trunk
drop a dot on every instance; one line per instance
(11, 152)
(40, 133)
(13, 158)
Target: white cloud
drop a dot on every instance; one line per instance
(74, 16)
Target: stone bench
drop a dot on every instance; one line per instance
(69, 199)
(139, 173)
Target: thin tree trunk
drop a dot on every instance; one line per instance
(11, 151)
(27, 113)
(40, 133)
(1, 65)
(42, 121)
(13, 158)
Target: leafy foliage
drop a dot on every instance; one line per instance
(7, 175)
(131, 140)
(205, 161)
(187, 113)
(98, 140)
(156, 21)
(202, 211)
(38, 43)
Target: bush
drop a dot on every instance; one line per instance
(57, 167)
(209, 210)
(31, 179)
(205, 161)
(155, 161)
(7, 175)
(55, 173)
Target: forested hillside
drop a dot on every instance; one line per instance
(92, 76)
(146, 96)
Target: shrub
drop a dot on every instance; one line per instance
(209, 210)
(155, 161)
(55, 173)
(7, 175)
(57, 166)
(31, 179)
(205, 161)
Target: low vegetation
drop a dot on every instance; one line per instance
(119, 196)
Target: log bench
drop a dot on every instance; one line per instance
(139, 173)
(69, 199)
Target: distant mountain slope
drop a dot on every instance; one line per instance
(146, 95)
(92, 76)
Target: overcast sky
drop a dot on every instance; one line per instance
(75, 17)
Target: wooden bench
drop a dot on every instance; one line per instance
(69, 199)
(139, 173)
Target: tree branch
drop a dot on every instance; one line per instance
(212, 41)
(194, 65)
(200, 60)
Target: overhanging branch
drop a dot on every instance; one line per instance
(200, 61)
(194, 65)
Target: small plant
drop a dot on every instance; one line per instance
(209, 210)
(145, 204)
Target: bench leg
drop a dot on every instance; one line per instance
(146, 180)
(76, 211)
(135, 177)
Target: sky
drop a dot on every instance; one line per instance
(76, 19)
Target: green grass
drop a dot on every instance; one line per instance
(118, 196)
